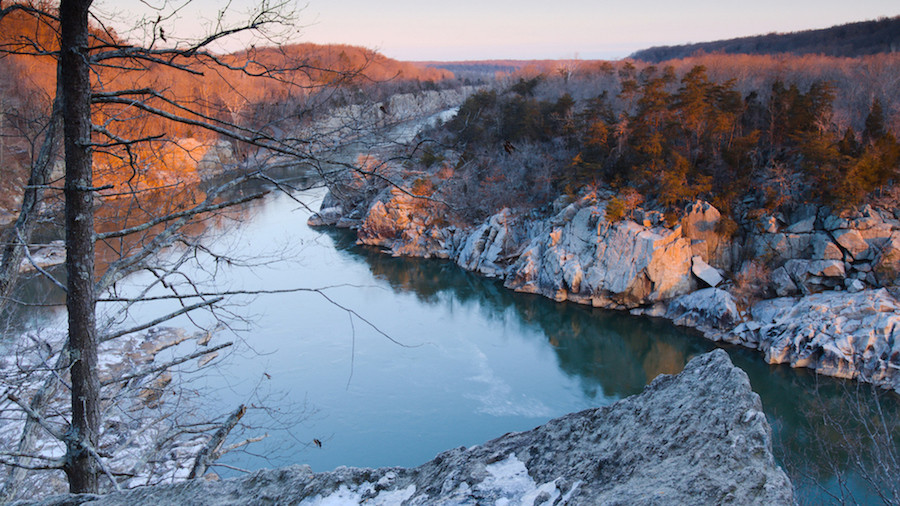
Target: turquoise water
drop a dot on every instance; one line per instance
(409, 357)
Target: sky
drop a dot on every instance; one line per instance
(527, 29)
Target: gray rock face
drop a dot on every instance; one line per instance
(696, 438)
(709, 308)
(583, 257)
(484, 249)
(847, 335)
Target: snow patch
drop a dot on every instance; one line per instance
(359, 494)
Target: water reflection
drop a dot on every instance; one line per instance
(610, 353)
(613, 355)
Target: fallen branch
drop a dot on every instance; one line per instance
(213, 449)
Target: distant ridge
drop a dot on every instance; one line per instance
(849, 40)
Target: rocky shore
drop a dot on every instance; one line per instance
(815, 289)
(699, 437)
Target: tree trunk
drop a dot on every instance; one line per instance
(79, 466)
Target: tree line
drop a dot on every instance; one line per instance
(677, 136)
(848, 40)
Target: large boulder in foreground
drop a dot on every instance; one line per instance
(699, 437)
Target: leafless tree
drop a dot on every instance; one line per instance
(103, 117)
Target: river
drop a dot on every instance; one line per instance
(431, 357)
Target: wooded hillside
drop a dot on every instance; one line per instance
(27, 85)
(849, 40)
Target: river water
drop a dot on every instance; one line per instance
(406, 358)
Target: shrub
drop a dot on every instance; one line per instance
(615, 209)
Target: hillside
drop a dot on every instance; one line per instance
(849, 40)
(293, 76)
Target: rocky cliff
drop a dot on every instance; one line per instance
(692, 270)
(699, 437)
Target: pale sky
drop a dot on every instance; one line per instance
(530, 29)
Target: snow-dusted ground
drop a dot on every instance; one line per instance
(142, 417)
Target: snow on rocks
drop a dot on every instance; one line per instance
(699, 437)
(139, 427)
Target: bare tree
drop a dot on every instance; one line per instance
(105, 117)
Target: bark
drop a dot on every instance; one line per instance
(80, 468)
(213, 448)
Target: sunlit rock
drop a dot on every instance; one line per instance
(589, 259)
(852, 242)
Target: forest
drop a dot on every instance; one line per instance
(848, 40)
(239, 89)
(747, 133)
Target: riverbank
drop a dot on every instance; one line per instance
(816, 289)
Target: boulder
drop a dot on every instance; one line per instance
(709, 308)
(852, 242)
(705, 272)
(699, 437)
(844, 334)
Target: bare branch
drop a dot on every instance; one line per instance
(163, 367)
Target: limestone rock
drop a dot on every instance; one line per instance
(705, 272)
(699, 437)
(851, 240)
(842, 334)
(709, 308)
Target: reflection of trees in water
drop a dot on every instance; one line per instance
(616, 354)
(610, 353)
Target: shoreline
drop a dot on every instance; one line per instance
(829, 317)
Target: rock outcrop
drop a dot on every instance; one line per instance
(699, 437)
(842, 334)
(590, 260)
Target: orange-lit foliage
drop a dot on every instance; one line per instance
(212, 92)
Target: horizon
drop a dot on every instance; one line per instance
(525, 30)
